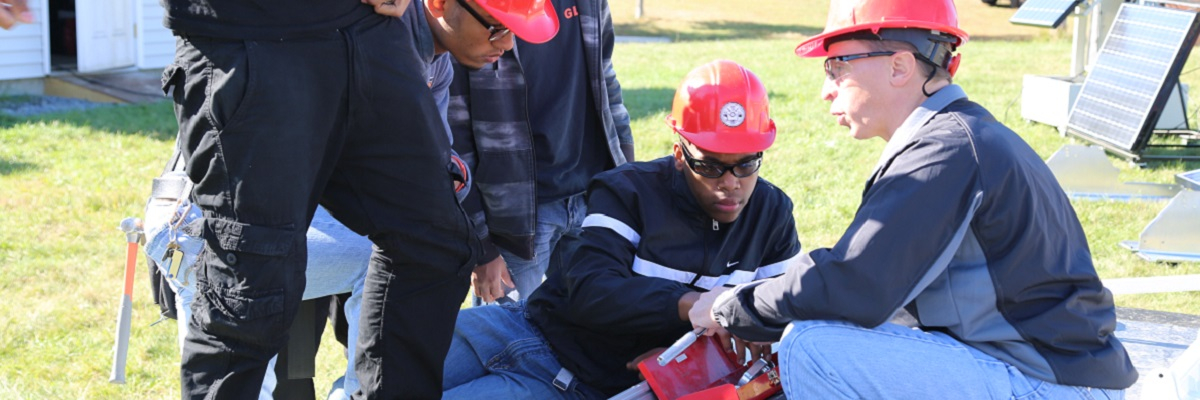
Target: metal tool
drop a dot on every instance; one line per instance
(679, 346)
(755, 369)
(133, 235)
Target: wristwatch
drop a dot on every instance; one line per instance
(723, 299)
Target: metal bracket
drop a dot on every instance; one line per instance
(1173, 235)
(1085, 172)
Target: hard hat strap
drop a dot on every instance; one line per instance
(933, 47)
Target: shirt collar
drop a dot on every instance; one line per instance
(930, 107)
(421, 31)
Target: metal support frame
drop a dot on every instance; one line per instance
(1173, 235)
(1085, 172)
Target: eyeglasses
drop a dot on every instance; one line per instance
(495, 32)
(713, 169)
(839, 66)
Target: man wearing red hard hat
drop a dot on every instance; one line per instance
(961, 224)
(284, 106)
(657, 233)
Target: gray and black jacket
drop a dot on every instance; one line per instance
(964, 226)
(489, 117)
(613, 292)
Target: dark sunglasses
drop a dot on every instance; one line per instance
(839, 66)
(495, 32)
(713, 169)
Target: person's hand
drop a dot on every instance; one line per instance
(744, 351)
(748, 352)
(701, 313)
(490, 280)
(14, 11)
(632, 365)
(391, 8)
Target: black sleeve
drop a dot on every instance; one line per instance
(603, 292)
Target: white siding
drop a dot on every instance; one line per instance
(23, 49)
(156, 44)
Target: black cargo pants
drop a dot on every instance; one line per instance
(344, 118)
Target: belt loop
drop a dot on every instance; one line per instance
(563, 380)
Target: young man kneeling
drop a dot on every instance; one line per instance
(657, 234)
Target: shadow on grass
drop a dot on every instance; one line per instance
(154, 120)
(644, 102)
(1173, 164)
(9, 167)
(714, 30)
(730, 30)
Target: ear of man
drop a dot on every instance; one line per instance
(903, 69)
(677, 151)
(437, 8)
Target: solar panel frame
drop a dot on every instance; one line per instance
(1132, 77)
(1044, 13)
(1190, 179)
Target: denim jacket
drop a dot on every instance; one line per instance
(489, 118)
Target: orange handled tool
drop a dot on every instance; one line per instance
(133, 235)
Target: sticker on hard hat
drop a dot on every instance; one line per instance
(732, 114)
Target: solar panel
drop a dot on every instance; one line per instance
(1190, 179)
(1047, 13)
(1132, 77)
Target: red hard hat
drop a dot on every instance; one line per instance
(533, 20)
(848, 16)
(722, 107)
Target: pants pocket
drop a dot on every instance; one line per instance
(249, 283)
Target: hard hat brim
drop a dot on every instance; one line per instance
(815, 46)
(539, 27)
(719, 143)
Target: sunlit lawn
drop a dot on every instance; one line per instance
(67, 179)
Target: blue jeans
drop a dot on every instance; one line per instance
(554, 219)
(498, 354)
(839, 360)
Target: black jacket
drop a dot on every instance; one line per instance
(612, 293)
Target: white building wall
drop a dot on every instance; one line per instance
(156, 44)
(24, 49)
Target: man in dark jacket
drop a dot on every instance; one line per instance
(657, 234)
(961, 224)
(535, 125)
(282, 106)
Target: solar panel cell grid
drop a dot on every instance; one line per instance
(1132, 76)
(1047, 13)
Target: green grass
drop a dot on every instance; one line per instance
(66, 180)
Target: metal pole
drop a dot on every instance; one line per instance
(1079, 43)
(639, 11)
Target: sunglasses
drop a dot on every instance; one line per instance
(495, 32)
(839, 66)
(713, 169)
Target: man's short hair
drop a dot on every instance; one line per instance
(926, 66)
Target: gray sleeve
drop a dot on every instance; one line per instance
(616, 105)
(442, 73)
(907, 220)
